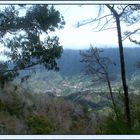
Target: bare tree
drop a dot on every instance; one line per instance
(97, 65)
(118, 13)
(122, 63)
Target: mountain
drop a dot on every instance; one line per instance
(70, 63)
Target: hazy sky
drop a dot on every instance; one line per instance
(78, 38)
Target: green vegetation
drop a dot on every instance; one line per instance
(24, 49)
(52, 103)
(40, 125)
(39, 113)
(117, 125)
(35, 100)
(78, 112)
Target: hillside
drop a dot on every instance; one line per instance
(67, 101)
(70, 64)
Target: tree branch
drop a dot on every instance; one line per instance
(123, 10)
(130, 33)
(92, 20)
(105, 24)
(112, 10)
(18, 69)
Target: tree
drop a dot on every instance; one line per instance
(97, 65)
(118, 17)
(128, 14)
(122, 62)
(22, 38)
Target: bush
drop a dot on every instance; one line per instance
(117, 124)
(16, 106)
(78, 125)
(40, 125)
(7, 123)
(2, 106)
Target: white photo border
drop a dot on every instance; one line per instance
(93, 137)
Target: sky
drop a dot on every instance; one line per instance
(73, 37)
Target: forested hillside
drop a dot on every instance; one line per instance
(70, 64)
(45, 91)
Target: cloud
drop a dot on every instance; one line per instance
(72, 37)
(82, 37)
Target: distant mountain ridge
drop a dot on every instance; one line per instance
(70, 64)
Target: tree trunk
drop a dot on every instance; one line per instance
(110, 90)
(122, 63)
(123, 74)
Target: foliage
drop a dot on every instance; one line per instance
(117, 124)
(77, 125)
(7, 123)
(40, 125)
(15, 107)
(5, 77)
(25, 48)
(2, 106)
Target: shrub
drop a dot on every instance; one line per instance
(117, 124)
(2, 106)
(7, 123)
(16, 106)
(40, 125)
